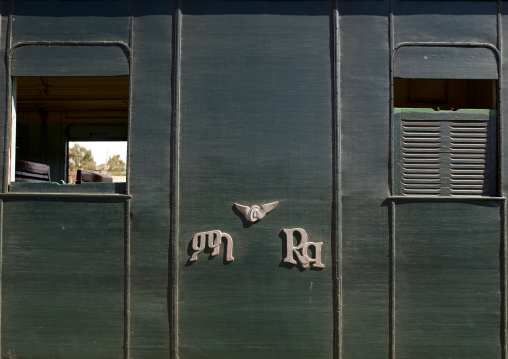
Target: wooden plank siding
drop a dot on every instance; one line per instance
(253, 102)
(255, 127)
(63, 274)
(150, 179)
(364, 126)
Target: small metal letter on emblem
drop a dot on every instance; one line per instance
(213, 240)
(256, 213)
(301, 249)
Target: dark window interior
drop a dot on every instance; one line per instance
(52, 111)
(444, 94)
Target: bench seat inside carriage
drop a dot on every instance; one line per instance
(29, 171)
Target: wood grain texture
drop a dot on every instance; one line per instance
(53, 20)
(149, 178)
(447, 280)
(426, 62)
(365, 127)
(256, 121)
(448, 21)
(63, 279)
(70, 61)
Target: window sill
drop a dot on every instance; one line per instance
(53, 189)
(445, 198)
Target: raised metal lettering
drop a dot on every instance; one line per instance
(301, 249)
(213, 239)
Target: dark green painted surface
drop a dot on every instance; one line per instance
(68, 61)
(447, 280)
(3, 80)
(256, 126)
(364, 128)
(256, 121)
(54, 20)
(149, 179)
(435, 63)
(63, 279)
(503, 106)
(447, 21)
(53, 187)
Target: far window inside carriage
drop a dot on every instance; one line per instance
(105, 158)
(70, 130)
(445, 137)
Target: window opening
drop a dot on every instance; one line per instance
(444, 94)
(55, 113)
(445, 137)
(106, 158)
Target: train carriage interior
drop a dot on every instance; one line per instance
(52, 114)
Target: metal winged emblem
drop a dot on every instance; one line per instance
(255, 212)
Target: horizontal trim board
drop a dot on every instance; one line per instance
(97, 132)
(446, 198)
(70, 60)
(65, 195)
(441, 62)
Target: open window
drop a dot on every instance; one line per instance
(444, 127)
(72, 123)
(445, 137)
(66, 93)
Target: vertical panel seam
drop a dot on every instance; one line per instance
(391, 43)
(391, 105)
(127, 206)
(499, 97)
(131, 21)
(174, 190)
(337, 302)
(504, 227)
(129, 114)
(392, 279)
(127, 278)
(504, 273)
(7, 127)
(1, 266)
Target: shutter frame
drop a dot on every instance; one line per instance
(444, 153)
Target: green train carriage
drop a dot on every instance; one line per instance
(305, 179)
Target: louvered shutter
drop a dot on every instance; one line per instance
(444, 153)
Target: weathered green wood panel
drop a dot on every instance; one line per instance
(447, 280)
(256, 127)
(149, 179)
(62, 279)
(85, 188)
(503, 159)
(364, 115)
(70, 61)
(54, 20)
(445, 21)
(4, 10)
(426, 62)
